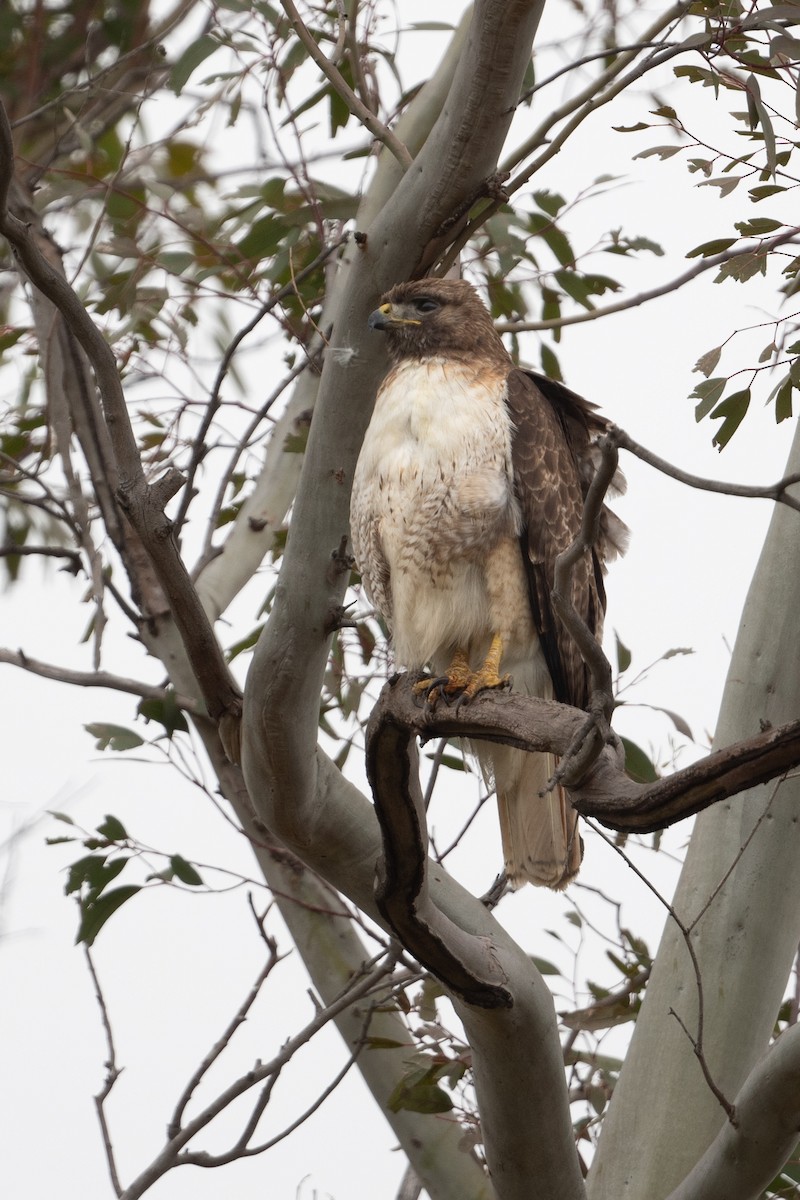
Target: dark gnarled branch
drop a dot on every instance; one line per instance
(606, 792)
(462, 962)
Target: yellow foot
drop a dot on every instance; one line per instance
(461, 681)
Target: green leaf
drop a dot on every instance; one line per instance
(763, 191)
(661, 152)
(95, 913)
(424, 1096)
(549, 202)
(543, 227)
(637, 764)
(544, 966)
(87, 870)
(680, 724)
(708, 361)
(708, 392)
(114, 737)
(755, 105)
(733, 409)
(623, 654)
(631, 128)
(384, 1043)
(264, 237)
(194, 54)
(113, 829)
(184, 871)
(550, 364)
(783, 402)
(706, 249)
(758, 226)
(575, 286)
(166, 712)
(743, 267)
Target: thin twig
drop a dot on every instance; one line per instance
(696, 1042)
(173, 1152)
(359, 110)
(174, 1127)
(775, 491)
(199, 446)
(241, 445)
(721, 883)
(242, 1150)
(765, 246)
(112, 1075)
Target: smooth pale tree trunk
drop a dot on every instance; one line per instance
(663, 1115)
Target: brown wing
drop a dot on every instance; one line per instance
(550, 453)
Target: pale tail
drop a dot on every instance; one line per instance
(540, 832)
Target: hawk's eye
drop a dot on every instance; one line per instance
(426, 304)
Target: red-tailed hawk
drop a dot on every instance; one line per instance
(470, 482)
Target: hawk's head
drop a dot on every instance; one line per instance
(437, 316)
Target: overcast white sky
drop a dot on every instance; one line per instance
(175, 965)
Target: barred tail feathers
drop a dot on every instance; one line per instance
(539, 829)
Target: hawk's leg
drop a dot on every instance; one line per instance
(461, 681)
(488, 675)
(453, 682)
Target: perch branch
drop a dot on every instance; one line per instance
(606, 792)
(462, 962)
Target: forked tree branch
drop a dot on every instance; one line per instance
(744, 1158)
(465, 963)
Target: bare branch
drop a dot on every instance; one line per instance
(199, 446)
(775, 491)
(359, 110)
(697, 1043)
(597, 93)
(11, 551)
(112, 1075)
(98, 679)
(173, 1152)
(174, 1127)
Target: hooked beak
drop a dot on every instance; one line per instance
(385, 318)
